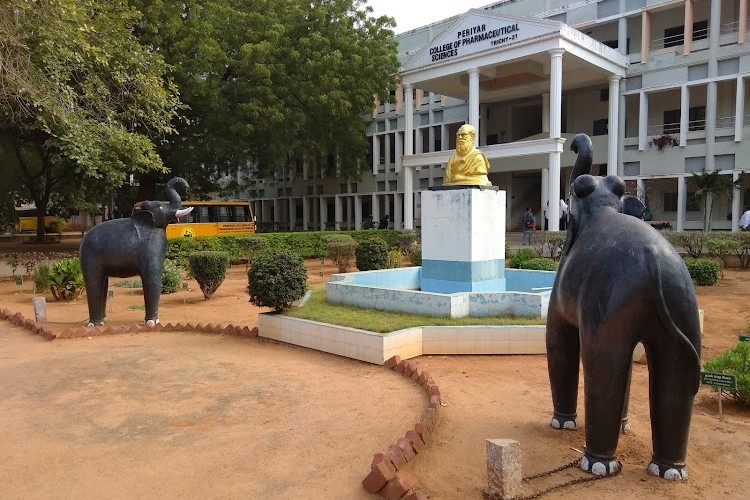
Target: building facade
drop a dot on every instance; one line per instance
(660, 101)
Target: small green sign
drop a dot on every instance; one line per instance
(185, 286)
(744, 338)
(721, 380)
(19, 280)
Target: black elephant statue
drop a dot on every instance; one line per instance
(620, 282)
(130, 247)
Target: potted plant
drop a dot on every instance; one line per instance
(662, 141)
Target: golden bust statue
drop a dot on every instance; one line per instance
(467, 165)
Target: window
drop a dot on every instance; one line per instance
(672, 121)
(696, 120)
(692, 203)
(491, 139)
(676, 35)
(392, 185)
(600, 126)
(381, 185)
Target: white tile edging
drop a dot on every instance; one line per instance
(408, 343)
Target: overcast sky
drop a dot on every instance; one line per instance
(410, 14)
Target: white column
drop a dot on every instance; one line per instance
(388, 146)
(555, 131)
(338, 212)
(444, 139)
(621, 126)
(622, 33)
(739, 109)
(292, 214)
(408, 151)
(323, 210)
(736, 211)
(613, 120)
(640, 189)
(418, 146)
(398, 215)
(711, 97)
(645, 35)
(357, 211)
(305, 212)
(684, 114)
(714, 27)
(399, 148)
(681, 198)
(545, 191)
(642, 121)
(375, 209)
(375, 153)
(545, 112)
(431, 138)
(474, 101)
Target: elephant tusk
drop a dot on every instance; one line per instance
(183, 211)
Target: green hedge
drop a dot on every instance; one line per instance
(540, 264)
(705, 272)
(310, 245)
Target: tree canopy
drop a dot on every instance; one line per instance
(265, 80)
(81, 100)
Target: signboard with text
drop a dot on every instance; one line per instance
(477, 33)
(720, 380)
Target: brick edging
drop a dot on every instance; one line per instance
(386, 475)
(48, 333)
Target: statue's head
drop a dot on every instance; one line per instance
(465, 139)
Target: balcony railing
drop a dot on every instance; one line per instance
(677, 40)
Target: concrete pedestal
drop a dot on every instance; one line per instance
(463, 240)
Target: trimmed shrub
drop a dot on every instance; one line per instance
(705, 272)
(170, 277)
(252, 246)
(340, 249)
(722, 247)
(691, 241)
(66, 279)
(540, 264)
(277, 278)
(521, 256)
(415, 255)
(42, 278)
(734, 362)
(209, 269)
(743, 249)
(372, 254)
(405, 240)
(395, 259)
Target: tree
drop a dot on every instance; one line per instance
(709, 185)
(265, 80)
(81, 101)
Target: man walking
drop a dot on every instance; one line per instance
(528, 224)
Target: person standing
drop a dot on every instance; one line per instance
(745, 219)
(528, 224)
(546, 217)
(563, 215)
(384, 221)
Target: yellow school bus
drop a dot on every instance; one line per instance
(26, 220)
(214, 218)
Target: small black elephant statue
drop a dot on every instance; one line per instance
(619, 283)
(130, 247)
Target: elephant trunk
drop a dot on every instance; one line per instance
(174, 197)
(582, 146)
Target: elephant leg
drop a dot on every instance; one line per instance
(562, 364)
(151, 294)
(671, 389)
(94, 296)
(606, 371)
(625, 422)
(104, 292)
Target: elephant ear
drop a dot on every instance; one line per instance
(144, 223)
(633, 206)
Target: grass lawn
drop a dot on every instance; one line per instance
(317, 309)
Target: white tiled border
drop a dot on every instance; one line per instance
(377, 348)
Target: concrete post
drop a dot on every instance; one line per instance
(504, 473)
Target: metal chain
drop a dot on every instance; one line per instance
(572, 482)
(550, 472)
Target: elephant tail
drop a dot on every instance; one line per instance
(667, 321)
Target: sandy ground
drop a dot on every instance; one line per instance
(199, 416)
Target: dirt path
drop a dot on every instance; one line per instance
(188, 415)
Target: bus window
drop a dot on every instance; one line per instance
(241, 214)
(222, 214)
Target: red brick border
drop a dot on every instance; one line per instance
(386, 475)
(44, 329)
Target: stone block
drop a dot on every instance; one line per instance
(422, 432)
(408, 368)
(254, 332)
(407, 449)
(391, 362)
(504, 469)
(396, 456)
(416, 442)
(376, 459)
(416, 373)
(40, 309)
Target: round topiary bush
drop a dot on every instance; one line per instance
(372, 254)
(209, 269)
(539, 264)
(170, 277)
(705, 272)
(277, 278)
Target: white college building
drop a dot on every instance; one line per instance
(659, 101)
